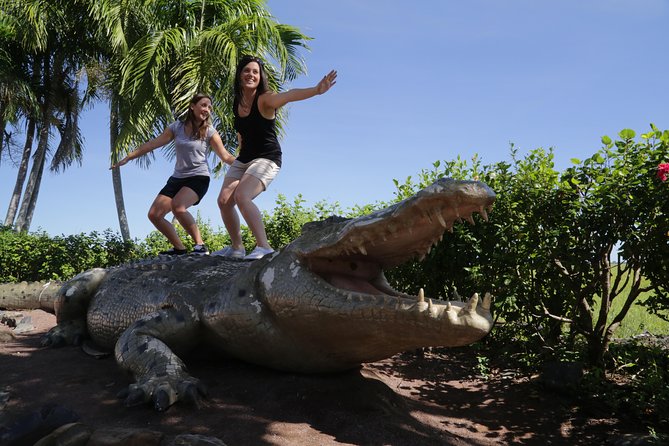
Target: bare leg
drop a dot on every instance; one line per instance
(250, 187)
(184, 199)
(226, 204)
(159, 209)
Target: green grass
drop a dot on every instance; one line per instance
(638, 319)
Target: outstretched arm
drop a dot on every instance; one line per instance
(272, 101)
(147, 147)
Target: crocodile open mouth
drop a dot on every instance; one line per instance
(354, 256)
(352, 274)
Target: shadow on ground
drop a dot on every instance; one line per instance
(434, 400)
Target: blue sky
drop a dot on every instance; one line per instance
(418, 82)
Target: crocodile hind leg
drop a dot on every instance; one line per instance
(70, 306)
(161, 377)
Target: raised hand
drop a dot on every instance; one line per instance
(327, 82)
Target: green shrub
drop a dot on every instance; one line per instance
(37, 256)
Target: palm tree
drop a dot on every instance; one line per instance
(23, 35)
(17, 104)
(118, 25)
(162, 53)
(52, 41)
(154, 55)
(167, 66)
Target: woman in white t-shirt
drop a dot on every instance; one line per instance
(192, 137)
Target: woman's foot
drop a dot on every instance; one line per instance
(200, 250)
(231, 252)
(258, 253)
(173, 252)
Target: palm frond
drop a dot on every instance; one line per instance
(28, 21)
(70, 148)
(149, 57)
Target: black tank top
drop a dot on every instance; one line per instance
(258, 135)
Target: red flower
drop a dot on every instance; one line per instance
(663, 171)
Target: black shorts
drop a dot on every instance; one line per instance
(199, 184)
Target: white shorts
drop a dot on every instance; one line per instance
(260, 168)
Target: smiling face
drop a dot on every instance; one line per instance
(201, 109)
(249, 77)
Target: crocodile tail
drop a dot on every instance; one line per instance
(29, 295)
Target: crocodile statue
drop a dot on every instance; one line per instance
(320, 304)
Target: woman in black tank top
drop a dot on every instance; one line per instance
(259, 158)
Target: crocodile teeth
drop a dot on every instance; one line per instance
(362, 250)
(442, 222)
(473, 301)
(470, 307)
(487, 299)
(483, 213)
(470, 219)
(421, 295)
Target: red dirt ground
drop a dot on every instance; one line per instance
(404, 400)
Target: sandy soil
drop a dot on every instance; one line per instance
(404, 400)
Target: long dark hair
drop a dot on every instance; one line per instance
(197, 130)
(262, 85)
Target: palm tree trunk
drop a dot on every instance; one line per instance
(116, 174)
(120, 204)
(3, 126)
(202, 15)
(35, 179)
(21, 175)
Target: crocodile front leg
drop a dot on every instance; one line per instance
(143, 350)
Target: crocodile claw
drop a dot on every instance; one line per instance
(53, 340)
(135, 397)
(162, 400)
(191, 393)
(191, 396)
(164, 394)
(65, 333)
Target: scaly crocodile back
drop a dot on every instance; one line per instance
(133, 291)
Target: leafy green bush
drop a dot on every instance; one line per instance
(546, 251)
(156, 242)
(37, 256)
(284, 223)
(282, 226)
